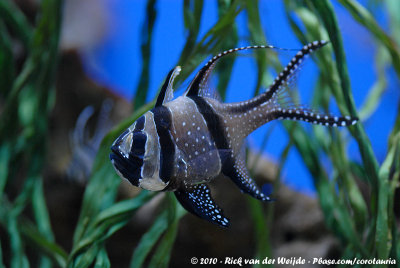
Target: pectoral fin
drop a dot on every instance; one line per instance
(197, 200)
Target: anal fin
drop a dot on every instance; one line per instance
(197, 200)
(236, 170)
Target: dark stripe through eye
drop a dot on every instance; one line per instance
(138, 144)
(139, 124)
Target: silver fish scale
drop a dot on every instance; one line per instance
(193, 140)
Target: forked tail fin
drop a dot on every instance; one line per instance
(293, 112)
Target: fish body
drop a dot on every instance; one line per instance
(183, 143)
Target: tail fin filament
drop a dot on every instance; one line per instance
(299, 114)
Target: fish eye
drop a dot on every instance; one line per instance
(138, 144)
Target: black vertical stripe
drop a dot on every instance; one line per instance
(216, 128)
(162, 120)
(138, 148)
(140, 123)
(129, 168)
(213, 121)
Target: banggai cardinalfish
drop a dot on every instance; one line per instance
(182, 144)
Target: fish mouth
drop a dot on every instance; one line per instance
(116, 158)
(127, 168)
(115, 152)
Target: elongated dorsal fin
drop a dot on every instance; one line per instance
(167, 92)
(200, 80)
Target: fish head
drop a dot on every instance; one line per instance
(135, 155)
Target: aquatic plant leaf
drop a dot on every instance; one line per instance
(147, 36)
(16, 20)
(162, 253)
(365, 18)
(98, 186)
(7, 68)
(102, 259)
(149, 239)
(106, 223)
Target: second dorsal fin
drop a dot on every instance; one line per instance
(200, 80)
(167, 92)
